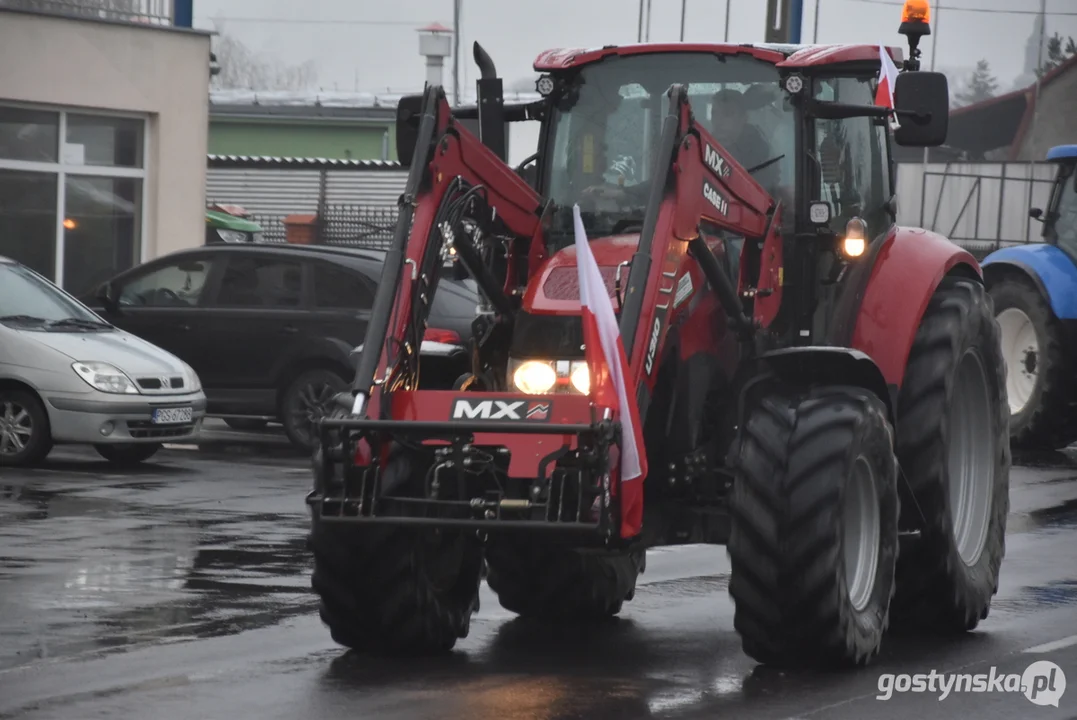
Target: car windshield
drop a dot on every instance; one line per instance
(606, 126)
(1061, 226)
(27, 299)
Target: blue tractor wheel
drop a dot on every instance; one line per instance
(1039, 371)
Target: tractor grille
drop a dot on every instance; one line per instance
(563, 283)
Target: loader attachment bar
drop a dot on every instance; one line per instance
(452, 174)
(698, 180)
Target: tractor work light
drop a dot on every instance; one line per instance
(544, 85)
(855, 241)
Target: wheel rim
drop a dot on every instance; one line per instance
(971, 458)
(861, 533)
(1020, 350)
(310, 404)
(16, 428)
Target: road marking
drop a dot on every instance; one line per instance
(1053, 645)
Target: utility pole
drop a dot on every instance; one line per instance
(456, 51)
(639, 33)
(726, 21)
(815, 32)
(648, 20)
(684, 9)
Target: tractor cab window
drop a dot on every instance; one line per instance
(606, 125)
(1061, 223)
(854, 177)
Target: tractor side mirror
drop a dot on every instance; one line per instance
(1036, 214)
(408, 112)
(922, 101)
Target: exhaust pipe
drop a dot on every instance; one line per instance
(491, 104)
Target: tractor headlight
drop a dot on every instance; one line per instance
(542, 377)
(581, 379)
(534, 377)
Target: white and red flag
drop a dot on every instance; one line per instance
(608, 368)
(888, 72)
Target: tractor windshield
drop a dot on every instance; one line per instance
(1061, 222)
(606, 124)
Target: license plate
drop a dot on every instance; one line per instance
(172, 416)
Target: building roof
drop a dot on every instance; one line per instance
(1004, 120)
(265, 161)
(318, 105)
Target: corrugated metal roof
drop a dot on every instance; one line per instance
(266, 161)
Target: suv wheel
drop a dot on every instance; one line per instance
(305, 401)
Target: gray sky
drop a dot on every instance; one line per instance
(368, 57)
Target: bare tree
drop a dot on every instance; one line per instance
(241, 68)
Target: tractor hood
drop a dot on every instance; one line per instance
(556, 288)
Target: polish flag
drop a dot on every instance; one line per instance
(888, 73)
(608, 367)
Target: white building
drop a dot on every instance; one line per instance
(103, 135)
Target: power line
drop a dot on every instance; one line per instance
(989, 11)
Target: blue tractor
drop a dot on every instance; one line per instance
(1034, 288)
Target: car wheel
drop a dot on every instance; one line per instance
(25, 435)
(305, 401)
(127, 455)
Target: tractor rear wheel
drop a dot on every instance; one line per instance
(551, 582)
(1039, 375)
(814, 534)
(393, 590)
(953, 447)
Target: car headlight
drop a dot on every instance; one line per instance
(540, 377)
(194, 384)
(232, 236)
(106, 378)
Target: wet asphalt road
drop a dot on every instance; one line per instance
(182, 591)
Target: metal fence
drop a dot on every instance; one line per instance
(342, 225)
(980, 206)
(149, 12)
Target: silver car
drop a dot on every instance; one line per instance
(67, 376)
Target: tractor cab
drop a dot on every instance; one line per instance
(1060, 219)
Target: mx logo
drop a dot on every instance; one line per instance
(469, 409)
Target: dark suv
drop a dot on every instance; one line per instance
(270, 329)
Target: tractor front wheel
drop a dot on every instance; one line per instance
(814, 534)
(551, 582)
(395, 590)
(953, 447)
(1039, 376)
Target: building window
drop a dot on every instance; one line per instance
(71, 193)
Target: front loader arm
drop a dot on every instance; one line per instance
(449, 161)
(700, 182)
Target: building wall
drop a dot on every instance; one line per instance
(1055, 118)
(276, 139)
(161, 74)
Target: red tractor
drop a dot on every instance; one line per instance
(820, 390)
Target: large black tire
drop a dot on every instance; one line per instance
(551, 582)
(393, 590)
(22, 414)
(952, 413)
(1042, 418)
(804, 455)
(307, 399)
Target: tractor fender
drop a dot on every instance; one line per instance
(828, 365)
(1047, 267)
(905, 274)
